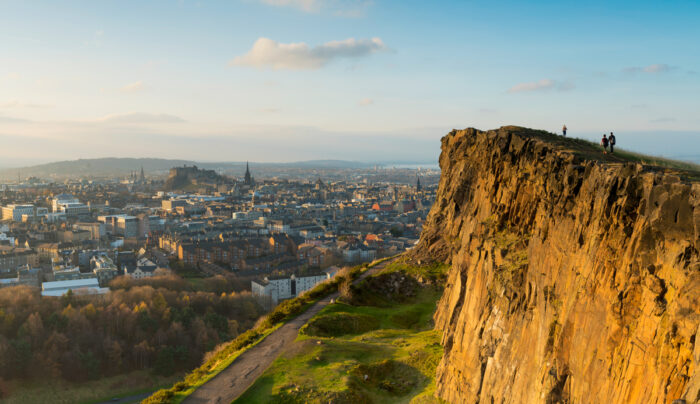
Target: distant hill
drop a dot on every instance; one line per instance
(100, 167)
(115, 166)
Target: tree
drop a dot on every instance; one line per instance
(68, 298)
(165, 361)
(345, 289)
(217, 322)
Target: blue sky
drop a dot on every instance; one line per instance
(286, 80)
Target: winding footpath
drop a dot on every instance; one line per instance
(242, 373)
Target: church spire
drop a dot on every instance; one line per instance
(247, 179)
(418, 186)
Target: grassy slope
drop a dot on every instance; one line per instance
(215, 369)
(400, 356)
(94, 391)
(221, 359)
(593, 151)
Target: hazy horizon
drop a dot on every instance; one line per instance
(671, 145)
(294, 80)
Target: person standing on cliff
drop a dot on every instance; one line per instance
(611, 139)
(604, 142)
(563, 130)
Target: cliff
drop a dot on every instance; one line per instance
(575, 277)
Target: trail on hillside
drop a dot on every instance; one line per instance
(245, 370)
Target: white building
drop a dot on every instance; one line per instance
(39, 213)
(273, 288)
(359, 254)
(75, 209)
(123, 225)
(54, 217)
(279, 288)
(145, 268)
(9, 240)
(279, 226)
(331, 271)
(14, 212)
(104, 269)
(60, 200)
(78, 286)
(301, 284)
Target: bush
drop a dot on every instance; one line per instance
(389, 375)
(162, 396)
(337, 324)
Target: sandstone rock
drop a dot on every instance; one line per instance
(573, 279)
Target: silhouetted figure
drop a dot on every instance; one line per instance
(563, 130)
(611, 139)
(604, 142)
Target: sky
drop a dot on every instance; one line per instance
(364, 80)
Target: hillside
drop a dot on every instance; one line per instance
(100, 167)
(116, 166)
(376, 344)
(575, 276)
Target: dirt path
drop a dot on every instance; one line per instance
(235, 379)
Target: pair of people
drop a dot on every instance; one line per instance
(608, 141)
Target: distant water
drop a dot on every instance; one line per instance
(413, 166)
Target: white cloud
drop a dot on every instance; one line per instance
(140, 117)
(345, 8)
(299, 56)
(544, 84)
(309, 6)
(366, 101)
(655, 68)
(133, 87)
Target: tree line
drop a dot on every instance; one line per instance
(159, 324)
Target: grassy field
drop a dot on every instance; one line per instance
(593, 151)
(89, 392)
(360, 354)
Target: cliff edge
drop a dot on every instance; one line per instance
(575, 277)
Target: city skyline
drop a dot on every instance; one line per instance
(294, 80)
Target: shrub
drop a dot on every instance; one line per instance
(337, 324)
(162, 396)
(389, 375)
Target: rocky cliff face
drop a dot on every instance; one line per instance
(573, 279)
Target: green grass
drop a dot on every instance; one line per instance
(221, 359)
(593, 151)
(184, 390)
(399, 357)
(337, 324)
(435, 272)
(104, 389)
